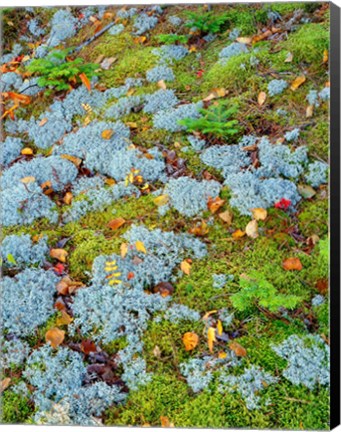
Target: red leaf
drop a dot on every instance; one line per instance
(59, 268)
(283, 204)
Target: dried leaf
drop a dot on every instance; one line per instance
(4, 384)
(140, 39)
(59, 254)
(65, 319)
(289, 58)
(161, 200)
(306, 191)
(207, 314)
(116, 223)
(325, 56)
(27, 151)
(43, 121)
(28, 179)
(157, 351)
(106, 63)
(68, 198)
(107, 134)
(75, 160)
(238, 349)
(251, 229)
(132, 125)
(140, 246)
(190, 340)
(261, 98)
(54, 337)
(226, 216)
(214, 204)
(200, 229)
(185, 267)
(124, 249)
(162, 84)
(47, 187)
(259, 214)
(244, 40)
(238, 234)
(164, 288)
(309, 111)
(211, 338)
(222, 355)
(297, 82)
(219, 327)
(87, 346)
(19, 98)
(85, 80)
(292, 264)
(262, 36)
(215, 94)
(165, 422)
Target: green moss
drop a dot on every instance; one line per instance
(14, 408)
(313, 218)
(317, 136)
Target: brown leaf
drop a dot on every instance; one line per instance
(116, 223)
(85, 80)
(47, 187)
(215, 94)
(262, 36)
(322, 286)
(164, 288)
(297, 82)
(292, 264)
(4, 384)
(27, 151)
(261, 98)
(251, 229)
(59, 254)
(200, 229)
(309, 111)
(65, 319)
(190, 340)
(226, 216)
(68, 198)
(238, 349)
(140, 39)
(87, 346)
(214, 204)
(185, 267)
(259, 214)
(106, 63)
(165, 422)
(162, 84)
(75, 160)
(55, 337)
(107, 134)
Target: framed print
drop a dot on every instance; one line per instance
(170, 212)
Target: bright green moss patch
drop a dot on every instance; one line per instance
(15, 408)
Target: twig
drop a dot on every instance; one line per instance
(95, 36)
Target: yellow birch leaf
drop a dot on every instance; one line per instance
(67, 198)
(251, 229)
(28, 179)
(75, 160)
(219, 327)
(140, 246)
(261, 98)
(226, 216)
(65, 319)
(190, 340)
(211, 338)
(238, 234)
(59, 254)
(259, 214)
(325, 56)
(222, 355)
(107, 134)
(161, 200)
(124, 249)
(162, 84)
(297, 82)
(185, 267)
(27, 151)
(54, 337)
(309, 111)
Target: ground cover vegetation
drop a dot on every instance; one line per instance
(164, 202)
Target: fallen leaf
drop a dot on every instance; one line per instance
(4, 384)
(208, 314)
(325, 56)
(306, 191)
(322, 286)
(116, 223)
(251, 229)
(140, 246)
(297, 82)
(162, 84)
(211, 338)
(192, 48)
(107, 134)
(165, 422)
(10, 258)
(85, 80)
(28, 179)
(289, 58)
(244, 40)
(261, 98)
(130, 275)
(190, 340)
(161, 200)
(238, 234)
(54, 337)
(214, 204)
(65, 319)
(226, 216)
(47, 187)
(292, 264)
(132, 125)
(19, 98)
(27, 151)
(43, 121)
(164, 288)
(59, 254)
(222, 355)
(215, 94)
(124, 249)
(140, 39)
(237, 349)
(106, 63)
(87, 346)
(68, 198)
(309, 111)
(259, 214)
(200, 229)
(219, 327)
(185, 267)
(75, 160)
(261, 36)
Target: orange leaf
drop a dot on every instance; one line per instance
(165, 422)
(261, 36)
(23, 99)
(27, 151)
(261, 98)
(211, 338)
(87, 346)
(199, 230)
(297, 82)
(85, 80)
(215, 204)
(238, 349)
(59, 254)
(65, 319)
(238, 234)
(107, 134)
(67, 198)
(185, 267)
(130, 275)
(292, 264)
(190, 340)
(55, 337)
(116, 223)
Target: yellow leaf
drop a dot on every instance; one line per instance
(124, 249)
(238, 349)
(65, 319)
(251, 229)
(59, 254)
(190, 340)
(107, 134)
(192, 48)
(297, 82)
(162, 84)
(185, 267)
(325, 56)
(238, 234)
(132, 125)
(259, 214)
(219, 327)
(222, 355)
(261, 98)
(215, 204)
(199, 229)
(309, 111)
(85, 80)
(226, 216)
(116, 223)
(244, 40)
(114, 282)
(54, 337)
(140, 39)
(75, 160)
(140, 246)
(27, 151)
(161, 200)
(28, 179)
(207, 314)
(67, 198)
(211, 338)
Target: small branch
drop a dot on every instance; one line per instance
(95, 36)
